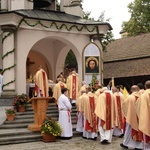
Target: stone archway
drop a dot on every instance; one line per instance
(70, 63)
(54, 47)
(34, 59)
(40, 53)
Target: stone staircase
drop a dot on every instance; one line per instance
(12, 132)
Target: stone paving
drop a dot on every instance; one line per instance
(76, 143)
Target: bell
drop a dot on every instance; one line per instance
(42, 3)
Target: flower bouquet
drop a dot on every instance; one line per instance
(9, 111)
(50, 128)
(21, 101)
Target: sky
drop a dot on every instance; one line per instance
(116, 10)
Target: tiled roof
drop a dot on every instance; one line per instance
(127, 68)
(128, 48)
(58, 16)
(128, 57)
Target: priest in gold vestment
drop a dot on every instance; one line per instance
(105, 111)
(90, 118)
(82, 88)
(73, 85)
(99, 91)
(143, 113)
(80, 117)
(57, 89)
(119, 117)
(132, 136)
(41, 83)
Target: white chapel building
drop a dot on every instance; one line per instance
(33, 32)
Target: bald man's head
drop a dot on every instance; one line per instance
(147, 84)
(134, 88)
(114, 89)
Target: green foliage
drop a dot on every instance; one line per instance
(9, 111)
(51, 126)
(71, 61)
(108, 38)
(109, 35)
(87, 16)
(140, 18)
(102, 17)
(94, 83)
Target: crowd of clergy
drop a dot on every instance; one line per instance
(105, 112)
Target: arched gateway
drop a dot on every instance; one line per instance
(31, 35)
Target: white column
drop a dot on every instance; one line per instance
(8, 62)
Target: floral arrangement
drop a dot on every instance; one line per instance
(94, 83)
(9, 111)
(51, 126)
(21, 100)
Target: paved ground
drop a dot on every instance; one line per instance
(76, 143)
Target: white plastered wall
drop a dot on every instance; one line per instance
(1, 50)
(1, 54)
(53, 50)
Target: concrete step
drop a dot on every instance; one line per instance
(32, 112)
(23, 135)
(24, 125)
(11, 126)
(26, 115)
(23, 116)
(31, 120)
(19, 121)
(24, 131)
(49, 109)
(20, 139)
(16, 131)
(9, 132)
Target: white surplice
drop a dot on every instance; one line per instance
(128, 141)
(79, 126)
(64, 107)
(117, 132)
(105, 134)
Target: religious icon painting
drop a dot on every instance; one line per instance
(91, 64)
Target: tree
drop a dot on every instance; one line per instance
(71, 61)
(87, 16)
(109, 35)
(140, 18)
(108, 38)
